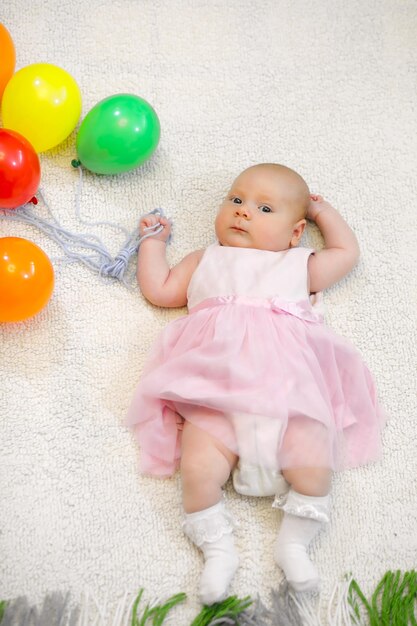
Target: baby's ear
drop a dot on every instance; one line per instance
(297, 232)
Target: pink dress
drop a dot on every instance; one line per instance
(254, 365)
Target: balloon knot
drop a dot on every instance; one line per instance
(34, 200)
(75, 163)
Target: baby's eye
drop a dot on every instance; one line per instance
(236, 200)
(265, 209)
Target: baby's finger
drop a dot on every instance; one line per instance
(149, 221)
(318, 197)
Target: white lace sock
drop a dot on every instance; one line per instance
(211, 530)
(303, 518)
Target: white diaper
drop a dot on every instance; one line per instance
(258, 440)
(252, 480)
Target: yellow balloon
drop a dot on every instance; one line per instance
(42, 102)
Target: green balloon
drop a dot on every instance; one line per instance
(118, 134)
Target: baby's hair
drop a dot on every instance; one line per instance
(301, 191)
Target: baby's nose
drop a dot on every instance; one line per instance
(242, 210)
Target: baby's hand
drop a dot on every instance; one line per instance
(152, 220)
(317, 205)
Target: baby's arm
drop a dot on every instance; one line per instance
(159, 284)
(341, 249)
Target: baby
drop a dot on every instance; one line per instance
(251, 382)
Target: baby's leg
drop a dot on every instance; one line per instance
(309, 481)
(205, 467)
(306, 505)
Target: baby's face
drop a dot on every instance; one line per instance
(259, 212)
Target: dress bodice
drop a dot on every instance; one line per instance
(249, 272)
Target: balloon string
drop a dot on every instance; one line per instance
(87, 248)
(78, 196)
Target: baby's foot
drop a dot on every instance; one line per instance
(299, 570)
(221, 562)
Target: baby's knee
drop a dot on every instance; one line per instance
(309, 481)
(195, 466)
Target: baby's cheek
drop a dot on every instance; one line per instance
(219, 221)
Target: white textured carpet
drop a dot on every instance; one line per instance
(328, 88)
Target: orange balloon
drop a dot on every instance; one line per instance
(26, 279)
(7, 58)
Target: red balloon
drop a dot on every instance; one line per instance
(20, 170)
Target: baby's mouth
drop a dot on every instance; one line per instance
(241, 230)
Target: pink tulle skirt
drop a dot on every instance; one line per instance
(279, 391)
